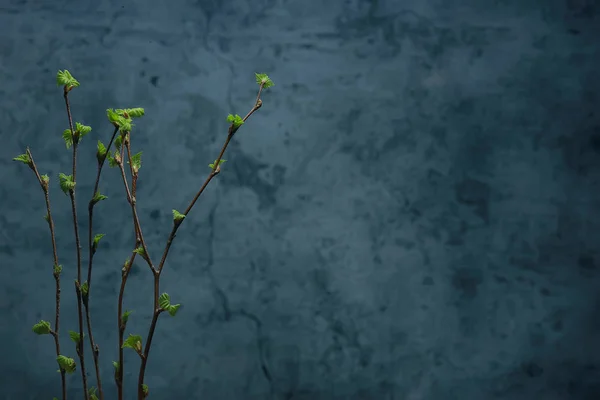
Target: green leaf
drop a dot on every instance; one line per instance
(177, 216)
(131, 112)
(24, 158)
(57, 269)
(47, 218)
(145, 389)
(112, 116)
(112, 161)
(82, 130)
(101, 153)
(66, 363)
(64, 78)
(235, 120)
(68, 138)
(124, 124)
(45, 179)
(97, 238)
(118, 141)
(172, 309)
(98, 197)
(66, 182)
(133, 342)
(42, 328)
(264, 80)
(92, 393)
(164, 301)
(125, 316)
(140, 251)
(85, 289)
(136, 160)
(212, 165)
(116, 365)
(75, 337)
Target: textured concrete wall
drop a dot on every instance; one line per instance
(413, 214)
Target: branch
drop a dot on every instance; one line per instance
(93, 345)
(56, 268)
(80, 351)
(176, 223)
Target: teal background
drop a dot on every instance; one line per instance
(413, 214)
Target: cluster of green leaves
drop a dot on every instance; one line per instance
(212, 164)
(24, 158)
(64, 78)
(66, 182)
(177, 216)
(164, 301)
(66, 363)
(264, 80)
(74, 137)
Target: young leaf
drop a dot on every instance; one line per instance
(164, 301)
(42, 328)
(172, 309)
(92, 393)
(112, 159)
(119, 141)
(101, 153)
(64, 78)
(140, 251)
(66, 363)
(235, 120)
(212, 165)
(145, 389)
(82, 130)
(112, 116)
(66, 182)
(57, 270)
(24, 158)
(75, 337)
(98, 197)
(68, 138)
(116, 365)
(133, 342)
(45, 179)
(136, 161)
(97, 238)
(131, 112)
(125, 316)
(125, 125)
(177, 216)
(264, 80)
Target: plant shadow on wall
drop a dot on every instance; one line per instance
(120, 155)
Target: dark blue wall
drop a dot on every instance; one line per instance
(413, 214)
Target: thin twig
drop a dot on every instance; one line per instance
(80, 351)
(56, 272)
(157, 272)
(93, 345)
(139, 241)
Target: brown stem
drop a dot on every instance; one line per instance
(56, 273)
(138, 242)
(121, 325)
(80, 351)
(157, 272)
(136, 221)
(93, 345)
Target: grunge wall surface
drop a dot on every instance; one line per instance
(413, 213)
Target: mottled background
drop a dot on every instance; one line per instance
(413, 214)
